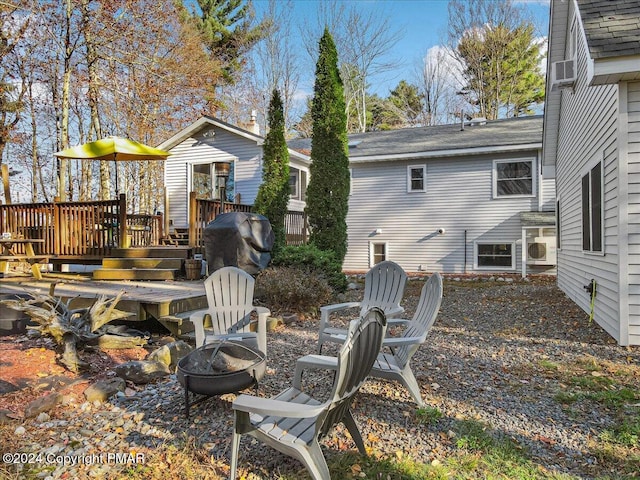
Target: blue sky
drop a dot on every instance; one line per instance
(423, 24)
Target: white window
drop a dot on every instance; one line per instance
(294, 183)
(592, 210)
(513, 178)
(495, 256)
(573, 40)
(417, 178)
(377, 252)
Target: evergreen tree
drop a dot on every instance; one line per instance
(499, 54)
(273, 195)
(328, 190)
(229, 31)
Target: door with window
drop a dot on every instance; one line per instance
(211, 181)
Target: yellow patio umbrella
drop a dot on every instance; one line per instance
(116, 149)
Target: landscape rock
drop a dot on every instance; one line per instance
(170, 354)
(7, 387)
(42, 404)
(142, 371)
(289, 318)
(104, 389)
(7, 416)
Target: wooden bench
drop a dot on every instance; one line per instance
(34, 260)
(24, 258)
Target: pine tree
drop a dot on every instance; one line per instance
(328, 190)
(273, 195)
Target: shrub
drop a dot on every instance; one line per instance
(291, 289)
(314, 261)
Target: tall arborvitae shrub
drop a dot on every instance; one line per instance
(328, 190)
(273, 195)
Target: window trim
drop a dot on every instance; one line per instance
(587, 172)
(534, 177)
(372, 245)
(496, 268)
(422, 167)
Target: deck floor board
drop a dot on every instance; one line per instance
(148, 299)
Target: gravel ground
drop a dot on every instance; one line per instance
(484, 360)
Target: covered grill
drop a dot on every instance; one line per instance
(238, 239)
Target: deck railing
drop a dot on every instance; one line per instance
(296, 227)
(91, 230)
(80, 229)
(205, 211)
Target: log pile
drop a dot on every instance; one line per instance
(73, 328)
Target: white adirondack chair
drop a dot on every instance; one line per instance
(383, 288)
(230, 298)
(393, 361)
(293, 422)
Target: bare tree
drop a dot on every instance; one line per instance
(15, 22)
(494, 43)
(363, 40)
(279, 64)
(438, 80)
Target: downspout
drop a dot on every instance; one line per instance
(465, 252)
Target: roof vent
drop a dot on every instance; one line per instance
(354, 143)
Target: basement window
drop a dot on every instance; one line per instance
(377, 253)
(492, 256)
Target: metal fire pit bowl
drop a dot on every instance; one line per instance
(220, 367)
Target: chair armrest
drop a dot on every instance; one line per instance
(261, 331)
(327, 310)
(312, 362)
(268, 406)
(397, 322)
(336, 307)
(399, 341)
(197, 319)
(393, 312)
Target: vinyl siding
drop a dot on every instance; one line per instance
(588, 134)
(633, 159)
(458, 198)
(224, 146)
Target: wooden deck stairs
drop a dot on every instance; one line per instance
(143, 263)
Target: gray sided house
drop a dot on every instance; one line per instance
(592, 147)
(451, 200)
(210, 153)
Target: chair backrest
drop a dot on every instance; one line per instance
(423, 319)
(383, 286)
(230, 297)
(355, 360)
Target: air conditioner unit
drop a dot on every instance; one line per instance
(563, 73)
(541, 251)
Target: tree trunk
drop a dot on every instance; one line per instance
(92, 69)
(70, 357)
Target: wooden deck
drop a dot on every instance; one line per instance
(146, 300)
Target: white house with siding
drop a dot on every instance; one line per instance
(450, 199)
(592, 147)
(208, 150)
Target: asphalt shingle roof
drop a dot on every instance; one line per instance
(612, 27)
(505, 132)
